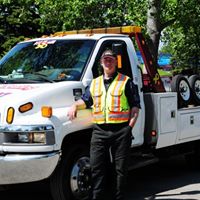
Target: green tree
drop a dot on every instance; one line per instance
(177, 20)
(79, 14)
(183, 37)
(18, 19)
(160, 14)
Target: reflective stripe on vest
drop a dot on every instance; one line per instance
(96, 93)
(111, 106)
(118, 85)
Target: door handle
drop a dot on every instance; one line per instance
(173, 114)
(77, 92)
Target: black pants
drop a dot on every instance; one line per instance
(109, 143)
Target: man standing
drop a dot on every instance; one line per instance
(115, 106)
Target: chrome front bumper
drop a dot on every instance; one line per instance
(18, 168)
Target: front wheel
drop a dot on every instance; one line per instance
(71, 179)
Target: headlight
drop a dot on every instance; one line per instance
(32, 138)
(33, 134)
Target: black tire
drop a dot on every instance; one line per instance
(194, 82)
(181, 85)
(71, 179)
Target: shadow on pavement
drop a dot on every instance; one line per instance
(30, 191)
(170, 179)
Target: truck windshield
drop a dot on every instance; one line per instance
(45, 61)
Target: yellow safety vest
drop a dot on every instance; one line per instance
(110, 106)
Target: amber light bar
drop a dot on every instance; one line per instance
(114, 30)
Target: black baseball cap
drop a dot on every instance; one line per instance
(108, 53)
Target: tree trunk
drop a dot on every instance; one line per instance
(154, 26)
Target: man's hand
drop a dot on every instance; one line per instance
(72, 112)
(78, 105)
(134, 116)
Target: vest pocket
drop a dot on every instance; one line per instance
(116, 95)
(97, 94)
(115, 101)
(97, 101)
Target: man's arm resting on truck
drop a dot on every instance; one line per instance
(78, 105)
(85, 102)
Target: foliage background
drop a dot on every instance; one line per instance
(175, 22)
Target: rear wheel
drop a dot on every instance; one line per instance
(194, 82)
(71, 179)
(181, 85)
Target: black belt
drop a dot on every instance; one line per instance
(112, 127)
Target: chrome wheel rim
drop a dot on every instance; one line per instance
(184, 90)
(80, 180)
(197, 88)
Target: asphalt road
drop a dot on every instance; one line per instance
(167, 180)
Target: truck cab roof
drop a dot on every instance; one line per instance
(76, 37)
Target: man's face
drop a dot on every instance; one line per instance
(109, 64)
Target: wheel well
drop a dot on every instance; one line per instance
(79, 137)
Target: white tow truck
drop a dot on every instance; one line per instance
(41, 78)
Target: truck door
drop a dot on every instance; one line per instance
(130, 68)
